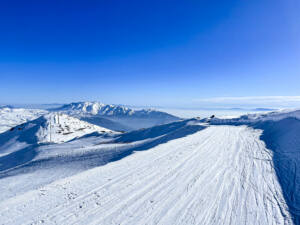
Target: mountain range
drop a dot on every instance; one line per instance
(115, 117)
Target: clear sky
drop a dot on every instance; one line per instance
(156, 52)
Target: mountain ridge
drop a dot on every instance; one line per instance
(116, 117)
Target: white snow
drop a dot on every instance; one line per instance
(49, 128)
(101, 109)
(59, 128)
(10, 117)
(260, 117)
(185, 172)
(116, 117)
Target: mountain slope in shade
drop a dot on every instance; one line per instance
(46, 162)
(10, 116)
(116, 117)
(280, 133)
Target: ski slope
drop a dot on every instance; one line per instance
(218, 175)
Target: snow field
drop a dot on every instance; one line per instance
(220, 175)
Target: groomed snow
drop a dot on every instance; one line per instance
(217, 175)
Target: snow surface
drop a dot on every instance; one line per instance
(220, 175)
(58, 127)
(211, 171)
(259, 117)
(97, 108)
(51, 128)
(10, 117)
(115, 117)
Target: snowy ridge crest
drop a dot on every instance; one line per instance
(52, 128)
(97, 108)
(260, 117)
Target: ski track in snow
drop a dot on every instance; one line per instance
(220, 175)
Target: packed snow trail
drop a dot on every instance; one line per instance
(220, 175)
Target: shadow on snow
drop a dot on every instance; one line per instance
(282, 137)
(22, 161)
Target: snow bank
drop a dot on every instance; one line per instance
(281, 134)
(258, 117)
(283, 138)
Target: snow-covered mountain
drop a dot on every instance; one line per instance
(96, 108)
(21, 144)
(214, 171)
(5, 107)
(51, 128)
(10, 116)
(116, 117)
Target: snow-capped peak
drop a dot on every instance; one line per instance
(94, 108)
(97, 108)
(116, 117)
(85, 107)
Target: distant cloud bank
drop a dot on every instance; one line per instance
(252, 101)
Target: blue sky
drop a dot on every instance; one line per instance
(162, 53)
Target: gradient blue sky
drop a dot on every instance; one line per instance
(167, 53)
